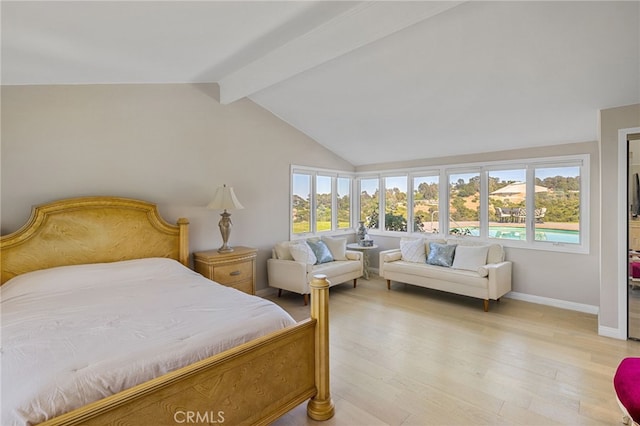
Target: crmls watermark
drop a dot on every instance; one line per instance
(207, 417)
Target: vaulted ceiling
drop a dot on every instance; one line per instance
(372, 81)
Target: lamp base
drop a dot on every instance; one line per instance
(225, 231)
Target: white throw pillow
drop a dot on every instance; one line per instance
(301, 252)
(337, 247)
(282, 251)
(413, 250)
(470, 258)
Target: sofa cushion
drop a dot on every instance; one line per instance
(337, 246)
(495, 254)
(335, 268)
(412, 250)
(427, 271)
(441, 254)
(470, 258)
(321, 251)
(301, 252)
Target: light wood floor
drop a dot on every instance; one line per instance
(412, 356)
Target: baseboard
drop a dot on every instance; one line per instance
(264, 292)
(563, 304)
(614, 333)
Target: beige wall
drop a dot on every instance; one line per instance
(610, 121)
(542, 274)
(171, 144)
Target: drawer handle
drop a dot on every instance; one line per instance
(234, 273)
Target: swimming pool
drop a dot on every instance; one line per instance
(542, 234)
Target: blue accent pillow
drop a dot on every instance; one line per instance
(441, 254)
(321, 250)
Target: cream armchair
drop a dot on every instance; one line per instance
(286, 273)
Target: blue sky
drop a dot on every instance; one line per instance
(301, 183)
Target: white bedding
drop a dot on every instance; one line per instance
(76, 334)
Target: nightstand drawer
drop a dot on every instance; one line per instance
(234, 272)
(246, 286)
(235, 269)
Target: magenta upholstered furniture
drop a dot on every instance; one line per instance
(634, 269)
(626, 383)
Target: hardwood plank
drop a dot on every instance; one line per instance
(413, 356)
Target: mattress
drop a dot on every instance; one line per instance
(76, 334)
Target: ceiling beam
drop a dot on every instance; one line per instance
(364, 23)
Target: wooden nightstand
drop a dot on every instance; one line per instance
(236, 269)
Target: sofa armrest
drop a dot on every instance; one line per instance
(499, 279)
(287, 275)
(388, 256)
(353, 255)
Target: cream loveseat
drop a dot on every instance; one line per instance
(294, 263)
(455, 266)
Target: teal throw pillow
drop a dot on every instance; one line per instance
(321, 250)
(441, 254)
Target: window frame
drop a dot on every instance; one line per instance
(314, 172)
(444, 172)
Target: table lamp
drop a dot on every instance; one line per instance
(225, 198)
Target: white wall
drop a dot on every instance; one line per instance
(171, 144)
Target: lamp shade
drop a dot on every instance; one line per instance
(225, 198)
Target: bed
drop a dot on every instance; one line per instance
(78, 245)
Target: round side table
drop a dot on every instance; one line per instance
(365, 256)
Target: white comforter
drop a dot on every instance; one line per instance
(76, 334)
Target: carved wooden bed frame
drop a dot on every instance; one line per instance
(254, 383)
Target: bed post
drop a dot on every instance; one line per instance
(321, 406)
(183, 226)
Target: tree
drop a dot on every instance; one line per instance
(391, 222)
(344, 209)
(426, 191)
(301, 207)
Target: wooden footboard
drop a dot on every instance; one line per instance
(251, 384)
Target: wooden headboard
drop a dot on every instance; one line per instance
(91, 230)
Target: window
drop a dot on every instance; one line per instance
(344, 203)
(324, 199)
(320, 201)
(557, 204)
(425, 204)
(395, 204)
(507, 204)
(301, 203)
(538, 203)
(370, 202)
(464, 204)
